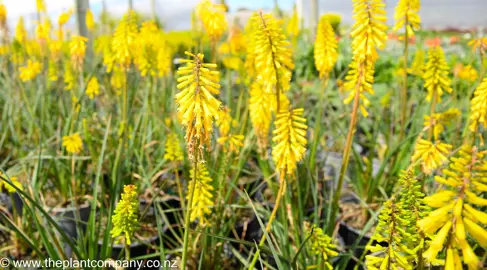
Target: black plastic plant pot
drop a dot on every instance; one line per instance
(138, 249)
(253, 231)
(13, 202)
(70, 218)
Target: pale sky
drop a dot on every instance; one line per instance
(176, 13)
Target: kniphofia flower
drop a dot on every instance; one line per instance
(436, 75)
(3, 16)
(196, 105)
(273, 54)
(212, 17)
(77, 49)
(406, 15)
(325, 50)
(90, 21)
(202, 197)
(368, 36)
(125, 217)
(124, 41)
(290, 139)
(73, 143)
(438, 121)
(431, 155)
(30, 71)
(93, 88)
(478, 114)
(173, 150)
(456, 215)
(20, 31)
(64, 17)
(321, 244)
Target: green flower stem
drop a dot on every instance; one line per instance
(346, 157)
(187, 222)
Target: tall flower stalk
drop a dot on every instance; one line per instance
(273, 55)
(368, 35)
(290, 139)
(197, 108)
(406, 17)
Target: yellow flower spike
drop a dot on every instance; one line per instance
(117, 79)
(368, 30)
(417, 66)
(40, 6)
(202, 198)
(173, 148)
(164, 59)
(55, 50)
(52, 72)
(150, 44)
(64, 17)
(290, 139)
(436, 75)
(93, 88)
(225, 122)
(77, 49)
(361, 76)
(30, 71)
(406, 15)
(439, 120)
(478, 106)
(465, 169)
(236, 41)
(432, 155)
(468, 73)
(124, 41)
(437, 243)
(212, 16)
(69, 78)
(20, 31)
(321, 244)
(3, 15)
(326, 47)
(477, 232)
(43, 31)
(125, 217)
(73, 143)
(273, 54)
(293, 24)
(479, 44)
(90, 21)
(196, 105)
(231, 142)
(232, 62)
